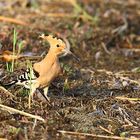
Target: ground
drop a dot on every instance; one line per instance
(97, 97)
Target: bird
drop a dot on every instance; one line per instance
(42, 73)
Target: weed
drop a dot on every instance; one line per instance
(66, 86)
(67, 69)
(23, 92)
(20, 46)
(14, 49)
(14, 130)
(79, 10)
(10, 65)
(34, 4)
(31, 76)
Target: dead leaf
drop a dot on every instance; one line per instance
(8, 56)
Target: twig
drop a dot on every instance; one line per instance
(135, 133)
(30, 57)
(94, 135)
(121, 28)
(132, 50)
(106, 130)
(34, 124)
(21, 112)
(119, 75)
(59, 15)
(126, 79)
(105, 48)
(20, 57)
(25, 133)
(12, 20)
(62, 15)
(125, 98)
(6, 91)
(118, 31)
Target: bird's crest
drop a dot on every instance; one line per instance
(52, 40)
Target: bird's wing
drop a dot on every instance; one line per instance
(29, 74)
(25, 77)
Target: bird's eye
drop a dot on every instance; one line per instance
(58, 45)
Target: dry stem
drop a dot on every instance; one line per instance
(12, 20)
(6, 91)
(94, 135)
(7, 108)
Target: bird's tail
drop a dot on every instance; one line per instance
(7, 85)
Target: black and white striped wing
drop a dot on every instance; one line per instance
(27, 78)
(27, 75)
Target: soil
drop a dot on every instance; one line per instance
(100, 95)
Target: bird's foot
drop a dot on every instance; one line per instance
(45, 93)
(33, 88)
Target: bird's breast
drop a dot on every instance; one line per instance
(47, 77)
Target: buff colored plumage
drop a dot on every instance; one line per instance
(49, 68)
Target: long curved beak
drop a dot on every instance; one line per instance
(74, 56)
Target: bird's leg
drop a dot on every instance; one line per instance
(33, 88)
(46, 92)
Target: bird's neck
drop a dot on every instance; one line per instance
(51, 57)
(46, 64)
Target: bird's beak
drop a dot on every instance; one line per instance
(74, 56)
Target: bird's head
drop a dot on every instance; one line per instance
(57, 46)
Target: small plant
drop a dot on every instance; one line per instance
(66, 86)
(10, 65)
(14, 130)
(14, 49)
(20, 46)
(23, 92)
(79, 10)
(31, 76)
(67, 69)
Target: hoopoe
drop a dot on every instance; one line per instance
(45, 71)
